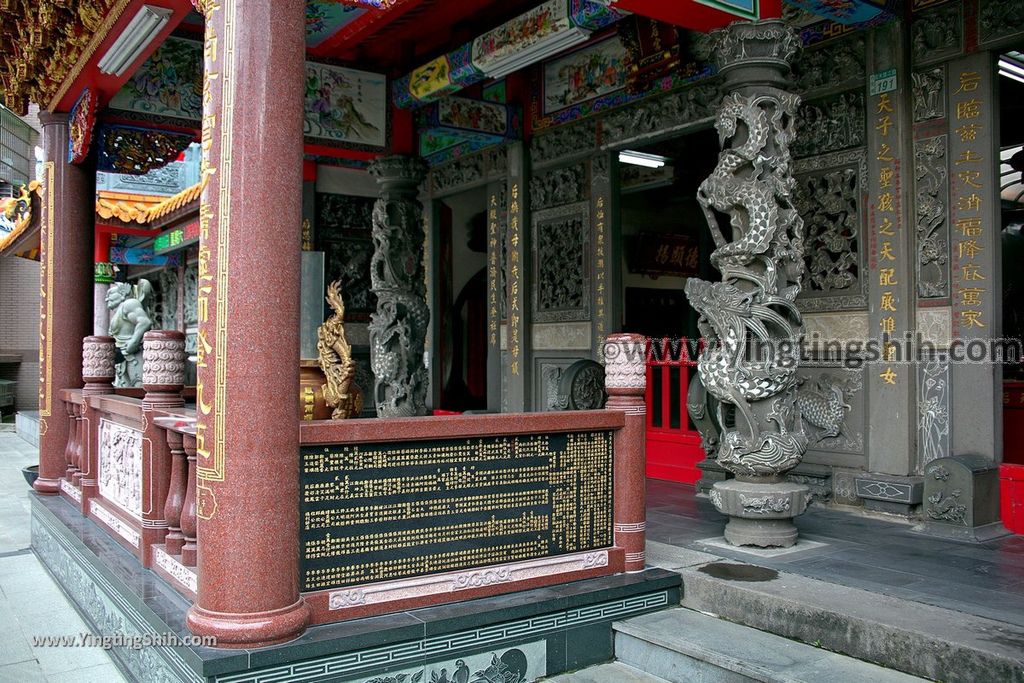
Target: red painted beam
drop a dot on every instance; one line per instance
(363, 26)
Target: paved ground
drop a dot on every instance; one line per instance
(31, 604)
(881, 555)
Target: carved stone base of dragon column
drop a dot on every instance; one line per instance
(749, 321)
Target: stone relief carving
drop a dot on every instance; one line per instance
(579, 387)
(935, 325)
(661, 114)
(928, 93)
(98, 356)
(339, 212)
(827, 405)
(562, 274)
(932, 198)
(348, 263)
(558, 186)
(829, 203)
(398, 327)
(840, 327)
(764, 505)
(120, 467)
(936, 33)
(625, 362)
(999, 19)
(838, 64)
(933, 410)
(167, 315)
(463, 171)
(829, 124)
(564, 141)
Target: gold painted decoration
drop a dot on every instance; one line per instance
(335, 356)
(16, 214)
(45, 44)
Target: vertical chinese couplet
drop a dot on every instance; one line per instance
(399, 326)
(749, 320)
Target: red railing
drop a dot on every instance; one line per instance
(673, 444)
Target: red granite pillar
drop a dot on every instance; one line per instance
(66, 242)
(247, 435)
(625, 380)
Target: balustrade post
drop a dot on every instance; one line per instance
(188, 511)
(163, 378)
(98, 353)
(71, 449)
(625, 379)
(174, 506)
(81, 451)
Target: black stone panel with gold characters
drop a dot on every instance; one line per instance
(377, 512)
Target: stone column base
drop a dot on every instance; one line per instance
(760, 514)
(710, 472)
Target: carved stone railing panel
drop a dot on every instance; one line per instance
(1000, 19)
(559, 186)
(928, 91)
(931, 201)
(830, 124)
(829, 196)
(937, 34)
(561, 282)
(839, 65)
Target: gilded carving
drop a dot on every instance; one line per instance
(335, 357)
(932, 223)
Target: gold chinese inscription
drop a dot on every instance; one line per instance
(969, 205)
(493, 245)
(600, 273)
(377, 512)
(515, 283)
(46, 294)
(885, 257)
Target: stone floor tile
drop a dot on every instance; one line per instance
(104, 673)
(22, 672)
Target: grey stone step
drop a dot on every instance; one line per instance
(918, 639)
(613, 672)
(684, 646)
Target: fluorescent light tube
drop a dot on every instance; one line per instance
(1010, 65)
(1010, 74)
(135, 38)
(642, 159)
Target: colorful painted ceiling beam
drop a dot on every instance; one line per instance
(467, 124)
(702, 15)
(855, 13)
(543, 31)
(373, 14)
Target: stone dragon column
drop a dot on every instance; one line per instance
(749, 320)
(399, 326)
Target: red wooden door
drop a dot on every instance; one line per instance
(673, 444)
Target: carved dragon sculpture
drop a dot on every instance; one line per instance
(335, 357)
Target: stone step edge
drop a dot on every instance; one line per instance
(605, 671)
(699, 652)
(923, 652)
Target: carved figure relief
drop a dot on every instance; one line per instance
(120, 466)
(564, 141)
(932, 223)
(928, 92)
(561, 280)
(933, 410)
(829, 203)
(558, 187)
(830, 124)
(937, 33)
(838, 64)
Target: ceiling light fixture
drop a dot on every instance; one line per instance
(642, 159)
(140, 32)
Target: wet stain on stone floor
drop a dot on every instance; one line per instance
(738, 572)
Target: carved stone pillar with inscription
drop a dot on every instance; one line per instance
(749, 320)
(399, 326)
(625, 380)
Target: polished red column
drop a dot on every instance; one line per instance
(65, 269)
(625, 380)
(247, 432)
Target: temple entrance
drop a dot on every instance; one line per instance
(665, 241)
(462, 311)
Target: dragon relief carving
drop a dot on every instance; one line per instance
(334, 354)
(750, 314)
